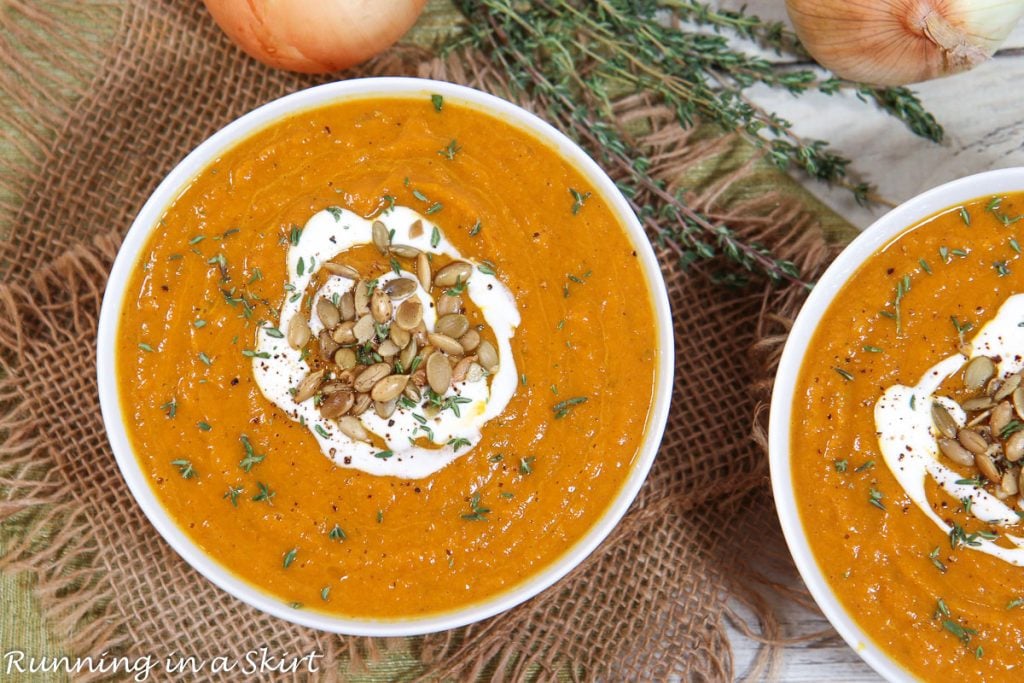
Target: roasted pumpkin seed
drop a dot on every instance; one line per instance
(489, 360)
(364, 329)
(308, 386)
(344, 333)
(955, 452)
(337, 404)
(439, 373)
(1001, 416)
(381, 236)
(1014, 449)
(1009, 385)
(353, 428)
(342, 269)
(380, 306)
(347, 306)
(987, 467)
(299, 333)
(978, 371)
(400, 288)
(455, 272)
(370, 376)
(385, 409)
(470, 340)
(362, 404)
(361, 298)
(447, 305)
(979, 403)
(328, 313)
(445, 343)
(404, 251)
(453, 325)
(423, 271)
(400, 336)
(409, 314)
(327, 345)
(972, 441)
(345, 359)
(389, 388)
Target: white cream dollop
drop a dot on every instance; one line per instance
(907, 436)
(278, 368)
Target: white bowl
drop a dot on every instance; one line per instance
(195, 162)
(880, 233)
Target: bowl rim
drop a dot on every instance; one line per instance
(872, 240)
(146, 222)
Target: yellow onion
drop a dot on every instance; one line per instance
(894, 42)
(314, 36)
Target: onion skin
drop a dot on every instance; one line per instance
(896, 42)
(314, 36)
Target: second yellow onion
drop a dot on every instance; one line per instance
(895, 42)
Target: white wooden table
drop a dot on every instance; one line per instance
(982, 112)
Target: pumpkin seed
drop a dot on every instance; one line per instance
(955, 452)
(385, 409)
(439, 373)
(476, 373)
(979, 403)
(400, 336)
(381, 237)
(328, 313)
(412, 393)
(337, 404)
(447, 305)
(972, 441)
(453, 273)
(389, 388)
(380, 306)
(423, 271)
(419, 333)
(1010, 385)
(416, 229)
(453, 325)
(308, 386)
(418, 378)
(1014, 449)
(353, 428)
(364, 329)
(979, 418)
(345, 359)
(408, 353)
(1001, 416)
(341, 269)
(361, 298)
(1018, 402)
(370, 376)
(299, 333)
(489, 360)
(345, 333)
(327, 345)
(987, 467)
(978, 371)
(362, 404)
(461, 368)
(404, 251)
(400, 288)
(470, 340)
(388, 349)
(1009, 482)
(334, 387)
(445, 343)
(942, 420)
(409, 314)
(347, 306)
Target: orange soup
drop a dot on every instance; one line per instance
(906, 461)
(387, 358)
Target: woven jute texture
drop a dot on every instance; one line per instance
(650, 604)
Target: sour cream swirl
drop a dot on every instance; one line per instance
(279, 368)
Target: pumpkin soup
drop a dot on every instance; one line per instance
(387, 357)
(906, 463)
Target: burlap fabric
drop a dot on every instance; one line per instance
(653, 600)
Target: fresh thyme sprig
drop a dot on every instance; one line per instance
(575, 58)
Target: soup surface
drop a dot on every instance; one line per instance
(913, 520)
(249, 483)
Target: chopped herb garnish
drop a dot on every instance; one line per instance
(486, 267)
(450, 150)
(875, 498)
(963, 633)
(199, 323)
(383, 455)
(458, 443)
(506, 495)
(265, 494)
(1012, 427)
(563, 408)
(1002, 270)
(840, 465)
(964, 216)
(233, 493)
(477, 513)
(579, 199)
(337, 534)
(206, 360)
(934, 557)
(438, 101)
(205, 426)
(458, 288)
(321, 431)
(325, 592)
(974, 481)
(944, 254)
(197, 239)
(380, 516)
(171, 407)
(1015, 603)
(434, 208)
(185, 468)
(420, 196)
(251, 456)
(924, 266)
(296, 233)
(961, 328)
(872, 349)
(866, 466)
(526, 465)
(1014, 244)
(844, 374)
(289, 557)
(249, 353)
(146, 347)
(475, 230)
(334, 211)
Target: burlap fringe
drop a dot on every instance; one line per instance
(64, 560)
